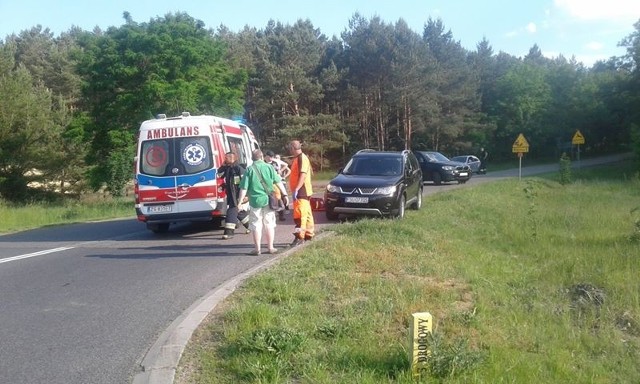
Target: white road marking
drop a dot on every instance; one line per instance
(28, 255)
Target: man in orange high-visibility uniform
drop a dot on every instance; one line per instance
(300, 186)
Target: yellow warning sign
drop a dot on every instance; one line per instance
(521, 145)
(577, 138)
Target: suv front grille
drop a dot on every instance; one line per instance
(367, 191)
(362, 191)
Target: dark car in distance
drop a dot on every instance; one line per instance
(375, 183)
(438, 168)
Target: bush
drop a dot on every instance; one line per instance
(565, 169)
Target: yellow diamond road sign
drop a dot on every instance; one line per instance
(521, 145)
(577, 138)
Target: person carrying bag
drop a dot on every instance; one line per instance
(255, 184)
(275, 195)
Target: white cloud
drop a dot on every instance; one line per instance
(589, 59)
(594, 45)
(511, 34)
(586, 59)
(531, 28)
(610, 10)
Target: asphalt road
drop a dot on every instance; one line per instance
(83, 303)
(96, 302)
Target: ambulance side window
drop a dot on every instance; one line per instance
(235, 145)
(195, 154)
(154, 157)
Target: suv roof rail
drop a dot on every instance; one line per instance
(366, 150)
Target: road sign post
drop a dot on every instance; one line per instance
(520, 146)
(578, 139)
(519, 165)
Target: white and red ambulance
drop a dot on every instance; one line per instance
(176, 166)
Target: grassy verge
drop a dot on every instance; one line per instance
(21, 217)
(528, 281)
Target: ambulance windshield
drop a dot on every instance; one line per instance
(175, 156)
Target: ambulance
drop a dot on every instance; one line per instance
(176, 165)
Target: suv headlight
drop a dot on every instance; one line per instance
(332, 188)
(448, 168)
(386, 190)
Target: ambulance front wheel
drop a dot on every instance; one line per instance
(158, 228)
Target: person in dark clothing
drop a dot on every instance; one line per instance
(483, 160)
(231, 172)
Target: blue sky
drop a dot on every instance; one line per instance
(587, 29)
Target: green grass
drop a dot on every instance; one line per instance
(527, 281)
(323, 176)
(18, 217)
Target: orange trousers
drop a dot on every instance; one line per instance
(303, 219)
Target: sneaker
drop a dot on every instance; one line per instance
(296, 242)
(254, 253)
(273, 251)
(225, 237)
(247, 230)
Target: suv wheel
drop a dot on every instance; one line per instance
(437, 179)
(418, 204)
(400, 213)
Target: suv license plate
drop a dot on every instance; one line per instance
(159, 208)
(464, 174)
(354, 199)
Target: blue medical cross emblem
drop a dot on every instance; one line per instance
(194, 154)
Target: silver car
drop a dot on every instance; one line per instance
(472, 161)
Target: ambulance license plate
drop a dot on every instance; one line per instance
(160, 208)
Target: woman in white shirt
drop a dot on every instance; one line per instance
(282, 168)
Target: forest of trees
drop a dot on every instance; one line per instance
(72, 104)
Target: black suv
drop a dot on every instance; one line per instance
(376, 183)
(438, 168)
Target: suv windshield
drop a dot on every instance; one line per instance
(374, 166)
